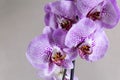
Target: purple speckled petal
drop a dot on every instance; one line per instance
(62, 8)
(48, 76)
(100, 46)
(79, 31)
(50, 69)
(50, 20)
(38, 49)
(59, 37)
(67, 64)
(71, 53)
(84, 6)
(49, 31)
(110, 14)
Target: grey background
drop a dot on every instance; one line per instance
(21, 21)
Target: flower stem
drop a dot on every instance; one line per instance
(65, 70)
(72, 71)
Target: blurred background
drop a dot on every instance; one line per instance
(21, 21)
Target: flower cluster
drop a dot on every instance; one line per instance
(73, 27)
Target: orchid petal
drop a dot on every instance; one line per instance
(67, 64)
(110, 14)
(79, 31)
(84, 6)
(50, 20)
(101, 46)
(62, 8)
(71, 53)
(38, 49)
(59, 37)
(50, 69)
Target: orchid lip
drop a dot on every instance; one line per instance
(57, 58)
(85, 49)
(67, 23)
(96, 12)
(94, 16)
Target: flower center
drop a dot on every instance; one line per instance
(66, 23)
(58, 57)
(94, 15)
(85, 49)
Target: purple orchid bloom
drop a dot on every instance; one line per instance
(45, 55)
(79, 31)
(87, 37)
(94, 47)
(61, 14)
(104, 12)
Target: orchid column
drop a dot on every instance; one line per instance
(73, 27)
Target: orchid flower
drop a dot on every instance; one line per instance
(45, 55)
(90, 41)
(104, 12)
(73, 27)
(61, 14)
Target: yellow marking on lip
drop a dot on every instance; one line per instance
(86, 49)
(58, 56)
